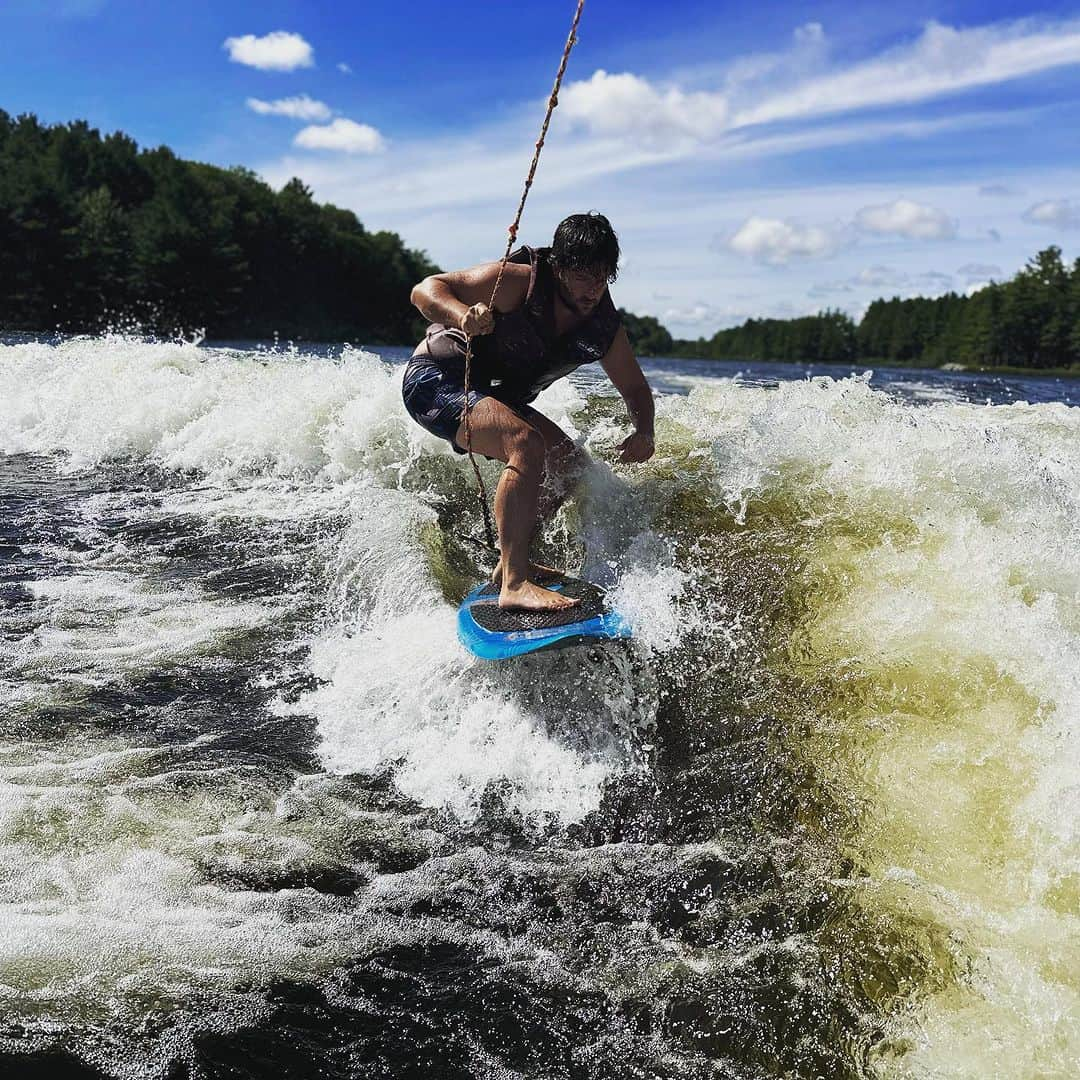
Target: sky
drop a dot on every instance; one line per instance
(755, 160)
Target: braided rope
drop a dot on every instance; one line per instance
(512, 232)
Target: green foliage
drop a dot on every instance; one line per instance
(1031, 321)
(827, 336)
(95, 232)
(647, 336)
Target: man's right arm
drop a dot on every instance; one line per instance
(460, 298)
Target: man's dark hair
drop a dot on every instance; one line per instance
(586, 242)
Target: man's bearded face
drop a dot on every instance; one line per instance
(582, 290)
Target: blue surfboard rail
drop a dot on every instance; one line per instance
(502, 645)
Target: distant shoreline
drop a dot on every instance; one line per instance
(880, 363)
(270, 345)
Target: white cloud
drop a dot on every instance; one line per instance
(906, 218)
(998, 191)
(942, 60)
(812, 33)
(1057, 213)
(771, 240)
(298, 108)
(775, 241)
(481, 165)
(278, 51)
(344, 68)
(794, 84)
(630, 106)
(645, 181)
(625, 103)
(342, 135)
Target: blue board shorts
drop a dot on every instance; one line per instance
(434, 395)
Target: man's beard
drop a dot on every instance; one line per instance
(572, 304)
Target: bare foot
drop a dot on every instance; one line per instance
(530, 597)
(537, 572)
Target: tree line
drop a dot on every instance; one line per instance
(95, 232)
(1030, 321)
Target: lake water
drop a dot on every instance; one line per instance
(262, 816)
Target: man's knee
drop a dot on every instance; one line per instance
(525, 448)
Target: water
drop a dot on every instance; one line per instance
(260, 815)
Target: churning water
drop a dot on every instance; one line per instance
(261, 815)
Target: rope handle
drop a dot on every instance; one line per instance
(512, 232)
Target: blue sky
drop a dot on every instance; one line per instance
(756, 160)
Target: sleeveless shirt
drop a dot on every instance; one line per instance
(525, 354)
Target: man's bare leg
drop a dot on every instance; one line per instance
(499, 432)
(564, 464)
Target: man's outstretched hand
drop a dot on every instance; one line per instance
(479, 319)
(637, 447)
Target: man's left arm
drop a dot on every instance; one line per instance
(622, 369)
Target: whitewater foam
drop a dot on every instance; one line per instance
(941, 619)
(925, 659)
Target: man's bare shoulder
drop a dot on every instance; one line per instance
(473, 285)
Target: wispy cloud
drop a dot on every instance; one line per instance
(486, 167)
(685, 143)
(622, 123)
(880, 277)
(980, 271)
(1058, 213)
(277, 51)
(793, 85)
(942, 60)
(998, 191)
(889, 281)
(296, 108)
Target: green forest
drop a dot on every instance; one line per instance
(1030, 321)
(96, 233)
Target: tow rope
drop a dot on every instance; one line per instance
(512, 232)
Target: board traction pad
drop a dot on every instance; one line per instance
(491, 633)
(492, 617)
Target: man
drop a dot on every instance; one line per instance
(552, 314)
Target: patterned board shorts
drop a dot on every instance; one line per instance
(434, 395)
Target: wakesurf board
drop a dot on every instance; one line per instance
(494, 633)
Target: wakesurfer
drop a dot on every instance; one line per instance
(553, 313)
